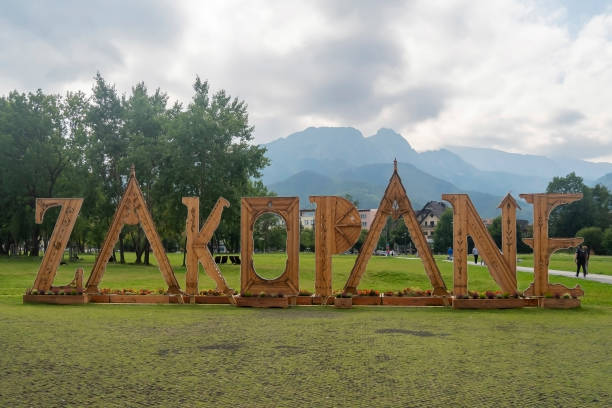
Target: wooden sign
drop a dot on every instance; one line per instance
(59, 238)
(508, 206)
(197, 244)
(466, 221)
(132, 210)
(337, 228)
(395, 203)
(288, 209)
(544, 247)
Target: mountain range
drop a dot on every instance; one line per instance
(340, 160)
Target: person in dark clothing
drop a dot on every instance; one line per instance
(475, 253)
(580, 257)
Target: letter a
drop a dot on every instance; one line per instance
(132, 210)
(395, 203)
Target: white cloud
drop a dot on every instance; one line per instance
(516, 75)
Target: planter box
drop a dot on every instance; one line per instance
(256, 301)
(139, 299)
(211, 300)
(343, 303)
(320, 300)
(559, 303)
(300, 300)
(493, 303)
(415, 301)
(57, 299)
(366, 300)
(96, 298)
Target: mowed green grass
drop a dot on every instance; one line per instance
(200, 355)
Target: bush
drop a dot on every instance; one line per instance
(593, 237)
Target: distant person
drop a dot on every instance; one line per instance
(580, 257)
(475, 253)
(450, 253)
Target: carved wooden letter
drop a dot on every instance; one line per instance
(132, 210)
(59, 238)
(337, 228)
(395, 203)
(466, 221)
(197, 244)
(544, 247)
(508, 207)
(288, 209)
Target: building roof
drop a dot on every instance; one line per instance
(435, 208)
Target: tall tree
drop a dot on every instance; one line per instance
(212, 155)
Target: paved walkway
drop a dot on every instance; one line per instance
(590, 276)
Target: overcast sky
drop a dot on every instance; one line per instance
(521, 76)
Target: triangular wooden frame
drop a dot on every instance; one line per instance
(395, 203)
(132, 209)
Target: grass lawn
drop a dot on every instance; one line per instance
(201, 355)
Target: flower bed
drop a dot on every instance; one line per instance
(322, 300)
(559, 302)
(415, 301)
(492, 300)
(367, 297)
(343, 301)
(211, 297)
(60, 297)
(509, 303)
(263, 300)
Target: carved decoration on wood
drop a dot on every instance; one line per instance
(197, 244)
(544, 247)
(59, 238)
(288, 209)
(395, 203)
(509, 206)
(132, 209)
(466, 221)
(337, 228)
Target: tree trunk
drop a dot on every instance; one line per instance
(147, 250)
(121, 249)
(35, 248)
(138, 247)
(185, 253)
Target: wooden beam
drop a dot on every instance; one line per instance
(197, 244)
(288, 209)
(466, 221)
(337, 228)
(59, 238)
(544, 247)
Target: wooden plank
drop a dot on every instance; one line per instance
(70, 208)
(544, 247)
(288, 209)
(337, 228)
(197, 244)
(466, 221)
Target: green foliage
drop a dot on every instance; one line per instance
(443, 234)
(592, 210)
(79, 146)
(607, 241)
(495, 229)
(593, 237)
